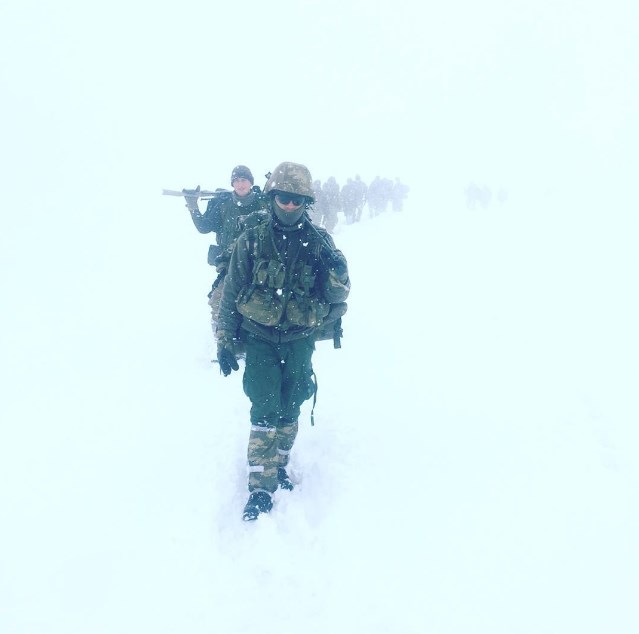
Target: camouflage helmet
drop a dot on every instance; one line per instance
(292, 178)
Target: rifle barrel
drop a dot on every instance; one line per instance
(203, 194)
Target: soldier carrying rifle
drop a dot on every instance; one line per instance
(223, 215)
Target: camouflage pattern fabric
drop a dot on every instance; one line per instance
(226, 217)
(286, 435)
(269, 448)
(293, 178)
(262, 458)
(215, 296)
(267, 242)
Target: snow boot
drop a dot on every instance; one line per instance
(258, 502)
(283, 479)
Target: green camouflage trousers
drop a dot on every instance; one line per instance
(278, 378)
(215, 297)
(269, 448)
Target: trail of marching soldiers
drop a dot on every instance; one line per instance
(351, 198)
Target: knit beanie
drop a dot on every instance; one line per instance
(241, 171)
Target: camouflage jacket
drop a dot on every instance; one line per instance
(223, 213)
(282, 282)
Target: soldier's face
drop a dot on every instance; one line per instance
(289, 202)
(241, 186)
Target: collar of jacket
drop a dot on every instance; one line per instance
(243, 201)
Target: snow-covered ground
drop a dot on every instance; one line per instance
(473, 467)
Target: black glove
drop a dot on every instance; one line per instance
(336, 263)
(226, 358)
(191, 196)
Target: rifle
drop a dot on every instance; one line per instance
(328, 248)
(204, 194)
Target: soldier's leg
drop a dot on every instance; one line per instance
(297, 387)
(215, 297)
(262, 383)
(286, 434)
(331, 221)
(262, 458)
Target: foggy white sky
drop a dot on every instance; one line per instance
(104, 104)
(166, 94)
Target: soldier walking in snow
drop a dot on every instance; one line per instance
(398, 193)
(348, 198)
(362, 190)
(330, 191)
(222, 216)
(284, 278)
(317, 211)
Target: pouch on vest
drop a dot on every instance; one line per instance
(263, 305)
(263, 300)
(269, 273)
(306, 311)
(327, 329)
(333, 283)
(214, 251)
(303, 309)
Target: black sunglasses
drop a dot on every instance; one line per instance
(285, 199)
